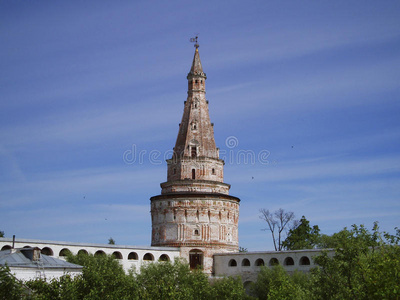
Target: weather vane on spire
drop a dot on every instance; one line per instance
(194, 40)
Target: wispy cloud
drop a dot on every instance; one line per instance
(267, 44)
(290, 171)
(343, 86)
(10, 165)
(80, 186)
(135, 120)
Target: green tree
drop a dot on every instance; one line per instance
(1, 233)
(365, 265)
(166, 280)
(111, 241)
(10, 287)
(382, 277)
(103, 278)
(275, 283)
(228, 288)
(303, 236)
(327, 241)
(63, 288)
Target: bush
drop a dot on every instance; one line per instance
(166, 280)
(102, 278)
(276, 283)
(10, 287)
(228, 288)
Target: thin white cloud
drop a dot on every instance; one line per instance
(80, 186)
(10, 165)
(271, 45)
(337, 87)
(136, 120)
(289, 171)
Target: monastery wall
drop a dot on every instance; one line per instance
(248, 264)
(128, 256)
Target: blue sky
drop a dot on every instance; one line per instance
(310, 89)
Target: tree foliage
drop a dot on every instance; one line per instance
(365, 265)
(64, 288)
(303, 236)
(277, 222)
(10, 287)
(1, 233)
(104, 278)
(276, 283)
(228, 288)
(165, 280)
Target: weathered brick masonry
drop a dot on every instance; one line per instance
(195, 211)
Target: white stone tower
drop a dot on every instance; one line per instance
(195, 211)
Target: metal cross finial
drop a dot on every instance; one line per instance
(194, 40)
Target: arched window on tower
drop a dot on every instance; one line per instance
(193, 174)
(193, 151)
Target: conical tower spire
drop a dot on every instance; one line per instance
(196, 69)
(196, 156)
(196, 134)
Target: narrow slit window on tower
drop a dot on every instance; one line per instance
(174, 171)
(193, 174)
(194, 151)
(213, 171)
